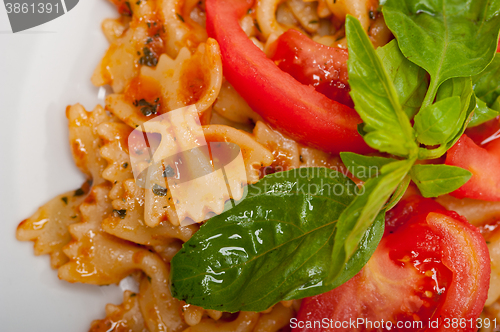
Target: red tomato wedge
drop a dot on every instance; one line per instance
(310, 63)
(485, 133)
(484, 164)
(431, 267)
(295, 109)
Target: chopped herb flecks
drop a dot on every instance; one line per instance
(129, 8)
(159, 190)
(149, 58)
(257, 26)
(148, 108)
(65, 200)
(79, 192)
(168, 172)
(120, 213)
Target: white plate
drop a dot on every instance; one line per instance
(42, 70)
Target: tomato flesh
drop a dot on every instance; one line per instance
(430, 265)
(310, 63)
(484, 164)
(485, 133)
(293, 108)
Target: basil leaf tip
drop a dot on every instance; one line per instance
(437, 180)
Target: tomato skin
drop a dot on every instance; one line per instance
(394, 286)
(293, 108)
(483, 162)
(310, 63)
(464, 249)
(486, 132)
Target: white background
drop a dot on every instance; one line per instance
(42, 70)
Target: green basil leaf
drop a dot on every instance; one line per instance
(361, 213)
(365, 249)
(436, 180)
(487, 89)
(461, 87)
(448, 38)
(275, 245)
(361, 130)
(482, 113)
(487, 83)
(410, 80)
(436, 123)
(386, 125)
(398, 193)
(363, 167)
(496, 105)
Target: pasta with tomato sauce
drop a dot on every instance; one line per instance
(295, 111)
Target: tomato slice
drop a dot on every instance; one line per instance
(310, 63)
(484, 164)
(295, 109)
(485, 133)
(431, 266)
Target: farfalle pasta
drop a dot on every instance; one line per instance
(126, 316)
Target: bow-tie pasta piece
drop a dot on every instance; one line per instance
(114, 150)
(93, 254)
(276, 319)
(255, 155)
(124, 317)
(159, 205)
(48, 227)
(85, 141)
(189, 79)
(271, 320)
(245, 322)
(274, 19)
(130, 225)
(288, 154)
(209, 190)
(196, 188)
(161, 311)
(231, 106)
(134, 41)
(147, 30)
(477, 212)
(184, 22)
(101, 259)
